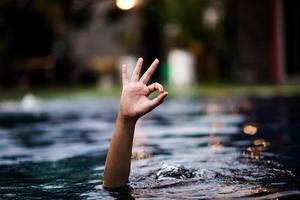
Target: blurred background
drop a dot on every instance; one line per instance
(231, 67)
(208, 42)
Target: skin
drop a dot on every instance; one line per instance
(134, 103)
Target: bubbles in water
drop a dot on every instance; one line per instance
(205, 174)
(180, 172)
(173, 171)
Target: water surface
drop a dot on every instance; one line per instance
(232, 147)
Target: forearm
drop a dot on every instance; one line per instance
(117, 165)
(134, 103)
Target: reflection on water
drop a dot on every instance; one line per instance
(199, 148)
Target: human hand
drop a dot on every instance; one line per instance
(135, 101)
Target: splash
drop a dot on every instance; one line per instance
(180, 172)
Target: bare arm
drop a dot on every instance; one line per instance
(134, 103)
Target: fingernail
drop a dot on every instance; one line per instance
(140, 58)
(156, 60)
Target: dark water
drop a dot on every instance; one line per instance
(187, 148)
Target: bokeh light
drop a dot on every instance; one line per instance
(250, 129)
(125, 4)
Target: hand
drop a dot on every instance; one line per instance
(135, 100)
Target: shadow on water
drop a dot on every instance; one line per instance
(192, 148)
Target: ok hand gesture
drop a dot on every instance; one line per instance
(135, 100)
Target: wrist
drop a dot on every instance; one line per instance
(127, 119)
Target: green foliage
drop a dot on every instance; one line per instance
(188, 15)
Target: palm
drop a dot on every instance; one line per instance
(134, 100)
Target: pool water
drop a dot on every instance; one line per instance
(199, 148)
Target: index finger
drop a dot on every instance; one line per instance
(147, 75)
(137, 70)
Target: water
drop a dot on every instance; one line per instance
(187, 148)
